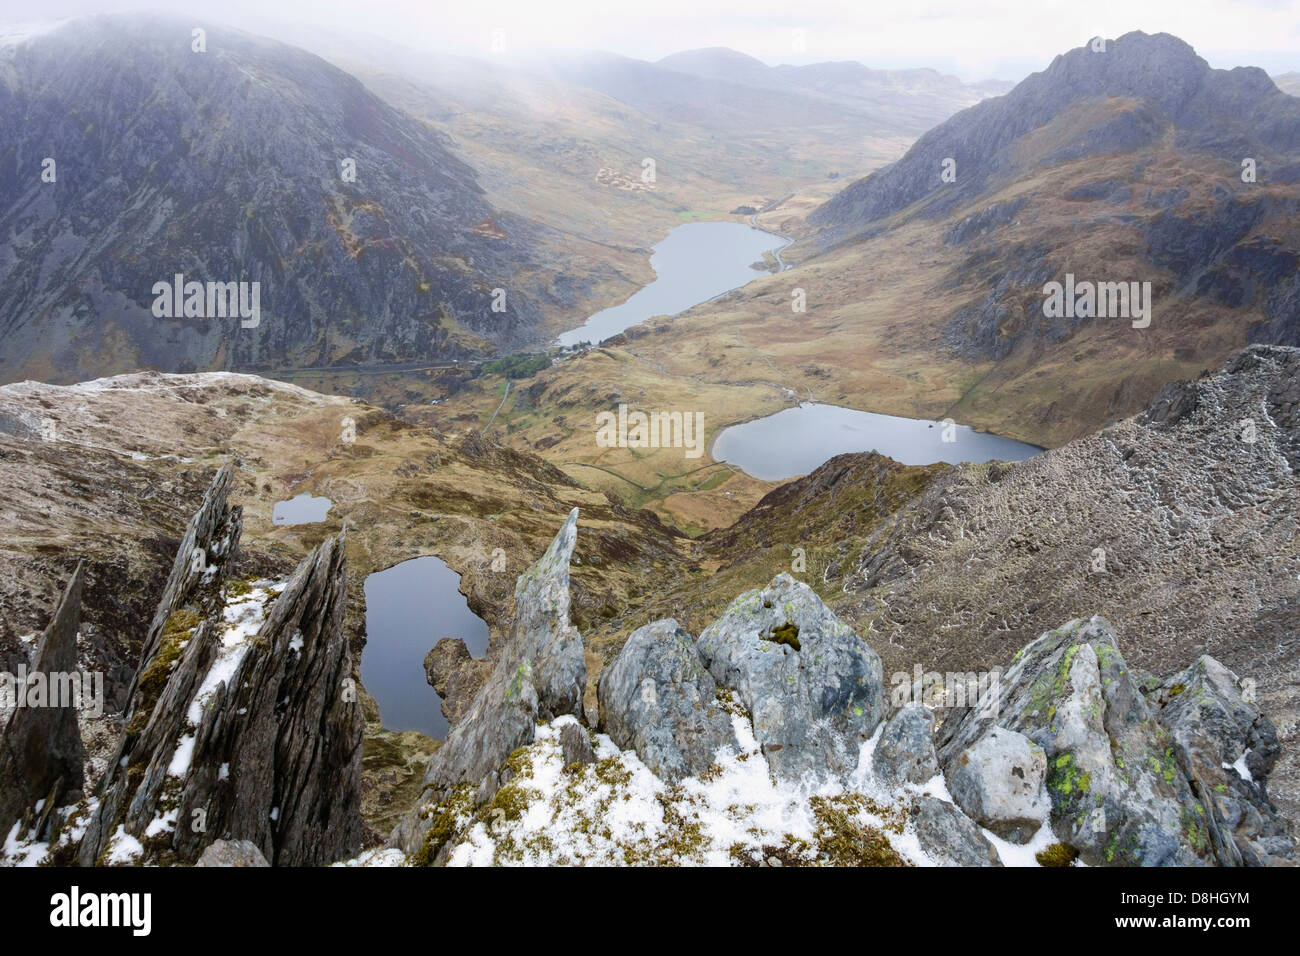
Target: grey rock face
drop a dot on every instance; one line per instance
(541, 673)
(41, 753)
(1227, 749)
(263, 746)
(949, 837)
(232, 853)
(1117, 793)
(218, 176)
(813, 699)
(998, 782)
(905, 753)
(658, 698)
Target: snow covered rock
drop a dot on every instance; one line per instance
(232, 853)
(905, 753)
(998, 782)
(811, 685)
(242, 716)
(658, 698)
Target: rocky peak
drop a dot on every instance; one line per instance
(1231, 113)
(1070, 754)
(540, 673)
(244, 722)
(41, 752)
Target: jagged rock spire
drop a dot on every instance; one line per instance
(541, 672)
(41, 754)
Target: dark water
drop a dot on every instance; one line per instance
(795, 441)
(409, 608)
(695, 262)
(300, 509)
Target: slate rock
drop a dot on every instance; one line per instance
(658, 698)
(811, 685)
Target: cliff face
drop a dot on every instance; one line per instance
(227, 166)
(244, 720)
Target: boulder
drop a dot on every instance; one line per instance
(1117, 792)
(232, 853)
(811, 685)
(575, 746)
(1227, 748)
(949, 837)
(905, 752)
(658, 698)
(998, 782)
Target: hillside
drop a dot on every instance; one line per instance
(944, 569)
(227, 166)
(926, 299)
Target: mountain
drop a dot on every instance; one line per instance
(1140, 89)
(721, 63)
(1288, 83)
(225, 166)
(789, 668)
(930, 299)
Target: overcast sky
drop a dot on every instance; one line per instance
(976, 39)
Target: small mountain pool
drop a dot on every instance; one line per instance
(409, 608)
(300, 509)
(795, 441)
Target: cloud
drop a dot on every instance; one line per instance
(976, 39)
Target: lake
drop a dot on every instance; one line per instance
(409, 608)
(694, 263)
(300, 509)
(795, 441)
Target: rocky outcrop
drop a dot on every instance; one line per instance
(41, 754)
(949, 837)
(1227, 749)
(811, 685)
(658, 699)
(456, 675)
(228, 853)
(905, 752)
(1123, 769)
(540, 673)
(998, 782)
(1117, 779)
(244, 721)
